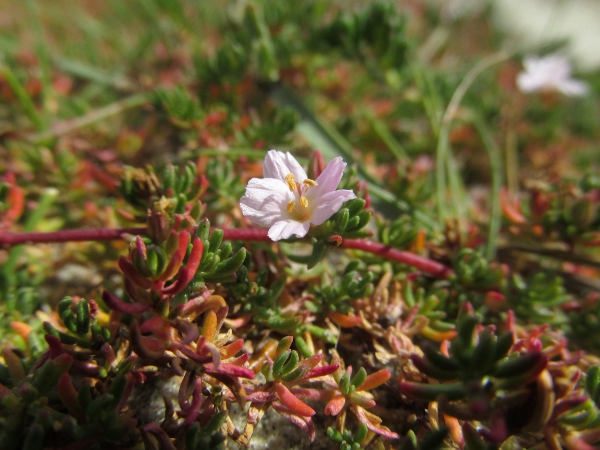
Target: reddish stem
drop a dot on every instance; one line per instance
(8, 239)
(424, 264)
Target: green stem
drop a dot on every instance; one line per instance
(43, 55)
(493, 152)
(66, 126)
(443, 147)
(23, 97)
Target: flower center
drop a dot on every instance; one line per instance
(298, 208)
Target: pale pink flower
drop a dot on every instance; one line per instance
(549, 73)
(287, 202)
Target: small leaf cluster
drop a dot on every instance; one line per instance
(432, 306)
(179, 186)
(219, 262)
(178, 105)
(38, 399)
(227, 67)
(474, 271)
(225, 187)
(350, 220)
(584, 323)
(274, 130)
(286, 366)
(262, 299)
(346, 440)
(83, 328)
(355, 282)
(208, 436)
(482, 368)
(378, 29)
(433, 440)
(399, 233)
(538, 298)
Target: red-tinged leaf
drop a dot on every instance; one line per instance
(261, 397)
(366, 418)
(16, 201)
(182, 393)
(161, 436)
(305, 423)
(132, 290)
(63, 362)
(144, 346)
(312, 361)
(574, 442)
(430, 392)
(214, 352)
(360, 399)
(335, 405)
(195, 256)
(191, 354)
(54, 344)
(132, 274)
(183, 279)
(158, 326)
(234, 385)
(308, 393)
(69, 396)
(199, 305)
(188, 329)
(177, 258)
(568, 404)
(128, 308)
(344, 320)
(240, 360)
(321, 371)
(196, 402)
(187, 273)
(4, 391)
(232, 349)
(22, 329)
(511, 209)
(292, 402)
(374, 380)
(229, 369)
(86, 368)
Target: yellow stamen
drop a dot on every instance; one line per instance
(309, 183)
(304, 201)
(290, 179)
(290, 206)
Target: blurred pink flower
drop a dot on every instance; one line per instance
(549, 73)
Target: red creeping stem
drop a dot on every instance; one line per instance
(8, 239)
(426, 265)
(419, 262)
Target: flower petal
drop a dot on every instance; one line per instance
(529, 83)
(284, 229)
(329, 204)
(573, 87)
(265, 201)
(328, 180)
(552, 72)
(278, 165)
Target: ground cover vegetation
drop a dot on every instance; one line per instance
(414, 267)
